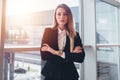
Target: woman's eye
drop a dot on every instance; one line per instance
(65, 14)
(58, 14)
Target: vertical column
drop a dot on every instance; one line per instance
(11, 74)
(81, 30)
(2, 33)
(119, 43)
(6, 61)
(89, 23)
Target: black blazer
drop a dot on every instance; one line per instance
(57, 67)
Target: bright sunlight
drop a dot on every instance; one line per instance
(18, 7)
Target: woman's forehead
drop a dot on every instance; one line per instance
(60, 9)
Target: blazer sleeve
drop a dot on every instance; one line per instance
(49, 37)
(76, 57)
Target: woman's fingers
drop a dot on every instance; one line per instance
(77, 49)
(45, 47)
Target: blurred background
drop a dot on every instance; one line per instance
(97, 21)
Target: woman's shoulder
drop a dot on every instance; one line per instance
(77, 33)
(49, 29)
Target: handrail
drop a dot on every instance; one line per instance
(37, 48)
(21, 48)
(27, 48)
(108, 45)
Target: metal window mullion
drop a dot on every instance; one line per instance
(11, 65)
(119, 42)
(81, 24)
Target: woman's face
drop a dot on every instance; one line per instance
(61, 16)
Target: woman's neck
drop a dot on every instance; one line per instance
(61, 27)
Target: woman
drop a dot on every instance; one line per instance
(61, 46)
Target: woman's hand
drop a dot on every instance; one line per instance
(77, 49)
(46, 47)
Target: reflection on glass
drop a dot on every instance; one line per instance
(106, 21)
(107, 59)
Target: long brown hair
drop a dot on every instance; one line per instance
(70, 24)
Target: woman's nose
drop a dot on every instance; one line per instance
(62, 16)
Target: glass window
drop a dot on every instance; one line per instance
(25, 24)
(26, 21)
(107, 60)
(107, 33)
(106, 23)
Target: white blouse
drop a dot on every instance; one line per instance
(61, 40)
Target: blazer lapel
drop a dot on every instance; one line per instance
(55, 36)
(67, 46)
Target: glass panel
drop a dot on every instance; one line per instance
(27, 66)
(107, 32)
(106, 23)
(25, 23)
(23, 66)
(107, 60)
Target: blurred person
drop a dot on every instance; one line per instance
(61, 46)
